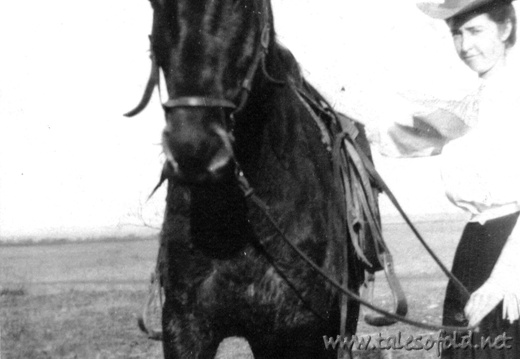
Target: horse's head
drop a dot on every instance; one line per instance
(209, 51)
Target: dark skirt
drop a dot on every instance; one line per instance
(476, 255)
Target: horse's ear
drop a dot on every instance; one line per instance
(157, 3)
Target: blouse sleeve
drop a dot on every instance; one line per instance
(398, 140)
(428, 131)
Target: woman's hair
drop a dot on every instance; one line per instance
(500, 11)
(501, 14)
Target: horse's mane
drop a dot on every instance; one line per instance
(291, 68)
(288, 63)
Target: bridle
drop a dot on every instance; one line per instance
(214, 102)
(198, 101)
(233, 108)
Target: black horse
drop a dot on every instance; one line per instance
(236, 121)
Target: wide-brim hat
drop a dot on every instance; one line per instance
(450, 8)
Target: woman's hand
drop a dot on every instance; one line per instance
(503, 284)
(482, 302)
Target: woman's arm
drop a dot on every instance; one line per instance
(426, 135)
(411, 141)
(410, 137)
(445, 123)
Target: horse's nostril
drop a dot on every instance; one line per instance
(224, 154)
(171, 159)
(220, 161)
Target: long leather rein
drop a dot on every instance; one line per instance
(259, 61)
(354, 149)
(249, 193)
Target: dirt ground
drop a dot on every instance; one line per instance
(80, 300)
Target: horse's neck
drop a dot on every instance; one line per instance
(280, 146)
(267, 124)
(291, 171)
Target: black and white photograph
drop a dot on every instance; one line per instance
(259, 179)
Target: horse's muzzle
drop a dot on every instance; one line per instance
(196, 152)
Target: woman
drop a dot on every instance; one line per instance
(480, 147)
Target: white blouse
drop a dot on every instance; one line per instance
(481, 169)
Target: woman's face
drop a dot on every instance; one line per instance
(480, 42)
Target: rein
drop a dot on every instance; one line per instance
(363, 164)
(365, 169)
(345, 138)
(249, 193)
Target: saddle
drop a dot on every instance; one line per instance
(361, 185)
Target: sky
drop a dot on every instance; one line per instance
(72, 166)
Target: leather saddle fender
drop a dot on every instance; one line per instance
(350, 153)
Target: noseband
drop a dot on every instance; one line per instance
(196, 101)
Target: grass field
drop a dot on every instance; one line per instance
(80, 299)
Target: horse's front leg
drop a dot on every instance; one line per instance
(185, 333)
(185, 336)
